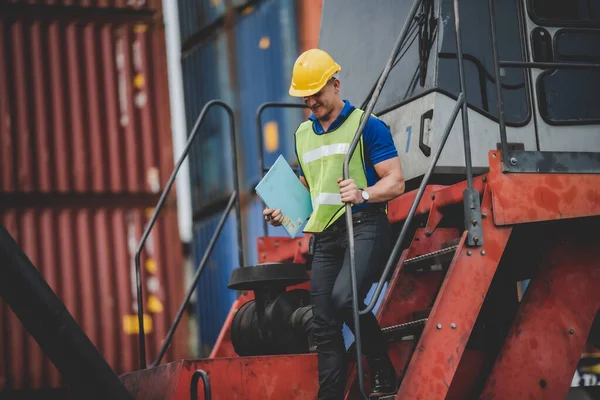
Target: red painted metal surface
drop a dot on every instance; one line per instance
(280, 249)
(540, 355)
(466, 383)
(309, 22)
(459, 300)
(448, 196)
(84, 108)
(520, 198)
(399, 207)
(273, 377)
(86, 256)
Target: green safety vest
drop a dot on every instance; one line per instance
(322, 159)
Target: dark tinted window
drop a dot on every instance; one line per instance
(571, 11)
(478, 59)
(572, 96)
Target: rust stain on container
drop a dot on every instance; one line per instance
(86, 257)
(72, 118)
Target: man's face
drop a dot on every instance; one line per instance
(322, 103)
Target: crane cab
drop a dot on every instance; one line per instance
(544, 109)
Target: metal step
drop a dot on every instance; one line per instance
(434, 261)
(386, 397)
(403, 332)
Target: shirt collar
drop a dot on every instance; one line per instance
(346, 111)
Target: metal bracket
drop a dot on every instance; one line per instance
(552, 162)
(473, 217)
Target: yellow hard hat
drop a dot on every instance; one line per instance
(312, 70)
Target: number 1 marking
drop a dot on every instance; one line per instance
(408, 131)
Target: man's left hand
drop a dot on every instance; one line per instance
(349, 192)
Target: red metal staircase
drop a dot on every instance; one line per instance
(451, 314)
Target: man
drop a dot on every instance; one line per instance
(376, 177)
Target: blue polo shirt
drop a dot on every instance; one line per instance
(377, 139)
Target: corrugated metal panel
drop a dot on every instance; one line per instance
(86, 256)
(206, 77)
(214, 299)
(83, 108)
(127, 4)
(197, 14)
(265, 52)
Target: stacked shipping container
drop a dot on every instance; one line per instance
(243, 55)
(266, 47)
(206, 77)
(85, 148)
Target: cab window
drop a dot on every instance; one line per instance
(572, 96)
(561, 12)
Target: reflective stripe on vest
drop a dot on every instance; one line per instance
(322, 158)
(324, 151)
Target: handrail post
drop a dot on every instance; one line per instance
(196, 278)
(160, 204)
(501, 122)
(471, 196)
(346, 175)
(261, 142)
(194, 385)
(414, 205)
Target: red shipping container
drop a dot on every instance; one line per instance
(86, 256)
(83, 108)
(122, 4)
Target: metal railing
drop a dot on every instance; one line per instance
(234, 199)
(346, 174)
(471, 196)
(261, 142)
(194, 385)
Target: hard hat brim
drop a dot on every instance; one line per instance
(304, 93)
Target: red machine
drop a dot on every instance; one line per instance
(454, 312)
(477, 340)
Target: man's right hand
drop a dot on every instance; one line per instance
(274, 217)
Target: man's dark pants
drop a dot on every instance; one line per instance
(331, 294)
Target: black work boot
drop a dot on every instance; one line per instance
(383, 376)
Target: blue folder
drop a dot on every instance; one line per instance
(281, 189)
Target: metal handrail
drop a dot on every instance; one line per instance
(346, 174)
(547, 65)
(199, 270)
(261, 144)
(160, 205)
(194, 385)
(471, 196)
(413, 208)
(503, 139)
